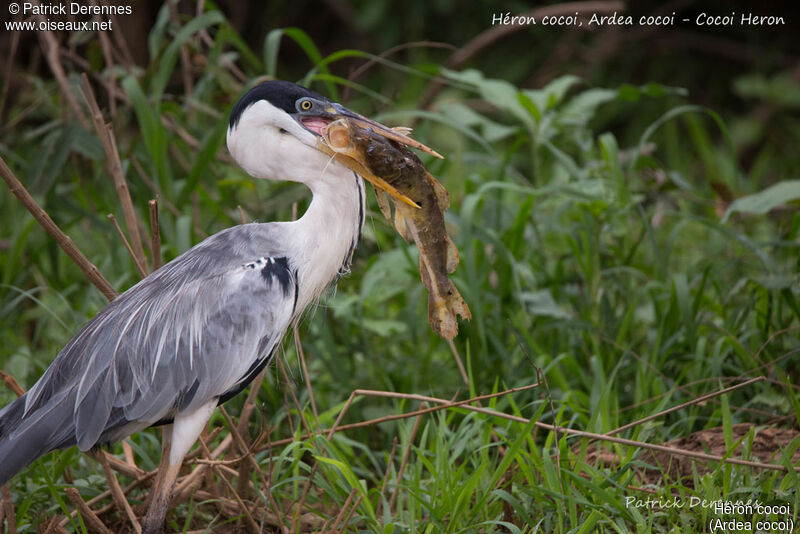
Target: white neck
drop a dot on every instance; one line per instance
(325, 237)
(268, 143)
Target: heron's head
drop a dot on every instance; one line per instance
(273, 130)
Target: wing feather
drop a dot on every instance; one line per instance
(192, 331)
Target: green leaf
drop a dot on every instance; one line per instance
(386, 277)
(584, 105)
(306, 44)
(764, 201)
(499, 92)
(543, 303)
(170, 57)
(207, 154)
(553, 93)
(153, 132)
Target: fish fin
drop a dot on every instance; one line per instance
(442, 196)
(383, 204)
(401, 225)
(442, 312)
(399, 137)
(361, 170)
(424, 274)
(452, 256)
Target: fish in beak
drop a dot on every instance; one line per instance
(335, 125)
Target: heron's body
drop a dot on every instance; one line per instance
(219, 310)
(198, 330)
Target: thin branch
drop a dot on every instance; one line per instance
(91, 272)
(116, 491)
(445, 404)
(298, 510)
(186, 70)
(697, 400)
(155, 234)
(93, 523)
(51, 49)
(12, 384)
(294, 397)
(404, 462)
(389, 463)
(7, 503)
(301, 355)
(139, 267)
(106, 134)
(457, 358)
(342, 511)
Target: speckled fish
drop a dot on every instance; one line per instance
(420, 202)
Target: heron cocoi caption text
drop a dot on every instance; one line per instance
(599, 20)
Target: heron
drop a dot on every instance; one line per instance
(197, 331)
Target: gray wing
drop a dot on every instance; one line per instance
(198, 328)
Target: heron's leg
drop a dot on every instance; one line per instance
(166, 441)
(185, 430)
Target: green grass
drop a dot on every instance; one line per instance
(603, 255)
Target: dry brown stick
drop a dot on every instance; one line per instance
(404, 461)
(116, 492)
(251, 523)
(389, 463)
(250, 402)
(247, 451)
(102, 496)
(51, 48)
(697, 400)
(249, 454)
(294, 397)
(302, 357)
(457, 358)
(389, 394)
(127, 452)
(105, 45)
(106, 134)
(186, 485)
(342, 511)
(298, 510)
(186, 70)
(54, 528)
(155, 234)
(155, 189)
(8, 510)
(350, 513)
(445, 404)
(139, 267)
(93, 523)
(244, 423)
(124, 468)
(91, 272)
(12, 384)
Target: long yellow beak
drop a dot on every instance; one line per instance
(337, 110)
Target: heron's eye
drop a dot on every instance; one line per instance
(305, 105)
